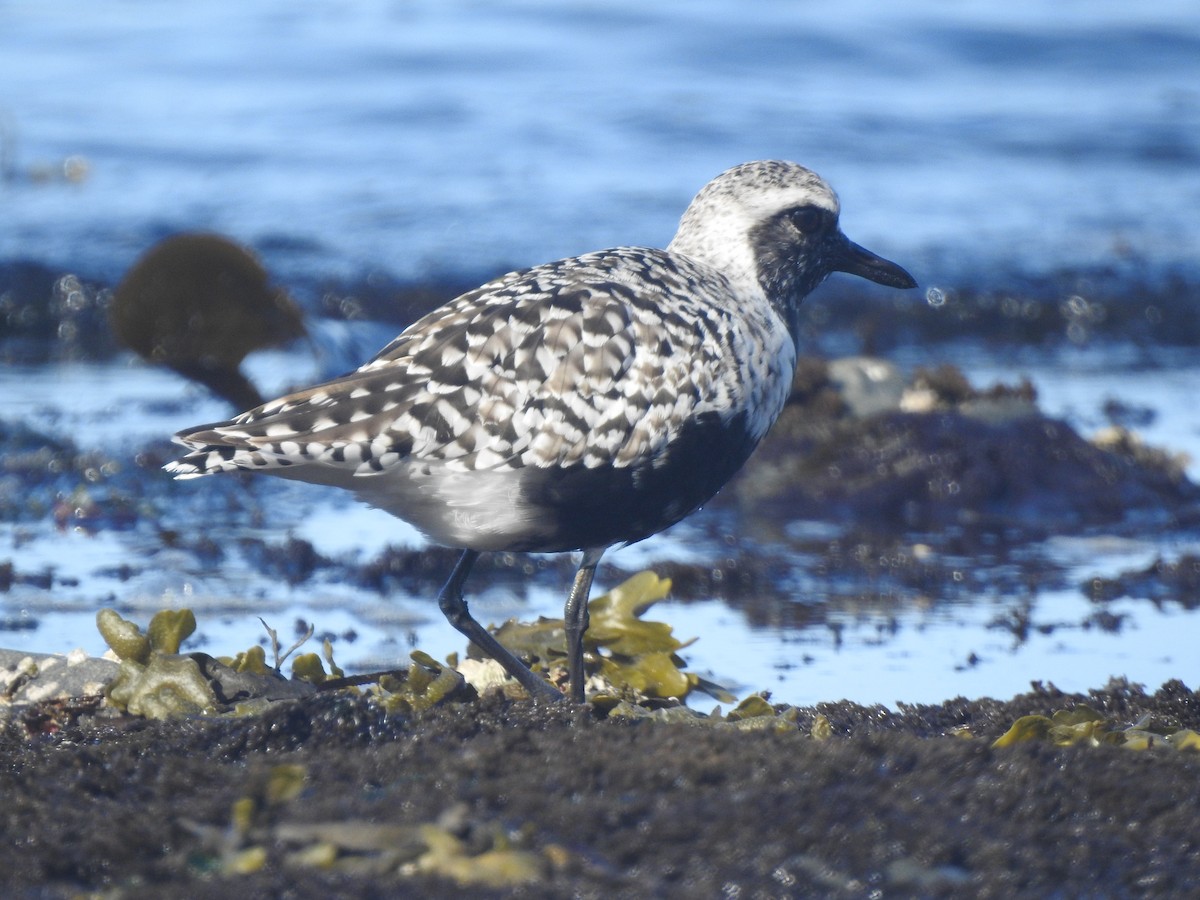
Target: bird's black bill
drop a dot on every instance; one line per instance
(862, 262)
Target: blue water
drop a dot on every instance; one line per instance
(417, 138)
(445, 136)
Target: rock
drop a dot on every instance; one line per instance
(27, 678)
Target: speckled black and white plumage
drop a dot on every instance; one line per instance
(578, 404)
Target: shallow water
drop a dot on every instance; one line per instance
(903, 647)
(969, 142)
(454, 136)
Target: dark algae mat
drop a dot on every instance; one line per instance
(333, 795)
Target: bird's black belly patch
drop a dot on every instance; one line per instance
(596, 507)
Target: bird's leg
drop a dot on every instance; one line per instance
(575, 619)
(454, 607)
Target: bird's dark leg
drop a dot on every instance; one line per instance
(454, 607)
(575, 619)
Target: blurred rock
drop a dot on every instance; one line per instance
(199, 304)
(947, 455)
(867, 385)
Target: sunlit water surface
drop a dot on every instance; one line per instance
(882, 654)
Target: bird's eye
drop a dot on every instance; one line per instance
(807, 219)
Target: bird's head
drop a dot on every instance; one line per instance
(775, 225)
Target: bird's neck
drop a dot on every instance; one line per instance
(733, 259)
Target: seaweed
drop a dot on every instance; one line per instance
(1083, 726)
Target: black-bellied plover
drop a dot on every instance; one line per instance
(576, 405)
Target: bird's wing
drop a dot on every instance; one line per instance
(579, 362)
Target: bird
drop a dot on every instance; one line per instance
(574, 406)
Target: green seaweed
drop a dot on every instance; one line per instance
(360, 847)
(239, 849)
(499, 867)
(167, 686)
(252, 661)
(170, 628)
(167, 630)
(1083, 726)
(123, 637)
(309, 666)
(822, 728)
(335, 671)
(629, 654)
(650, 674)
(627, 658)
(153, 680)
(426, 684)
(259, 826)
(156, 681)
(754, 706)
(1026, 728)
(754, 713)
(615, 622)
(1184, 739)
(284, 782)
